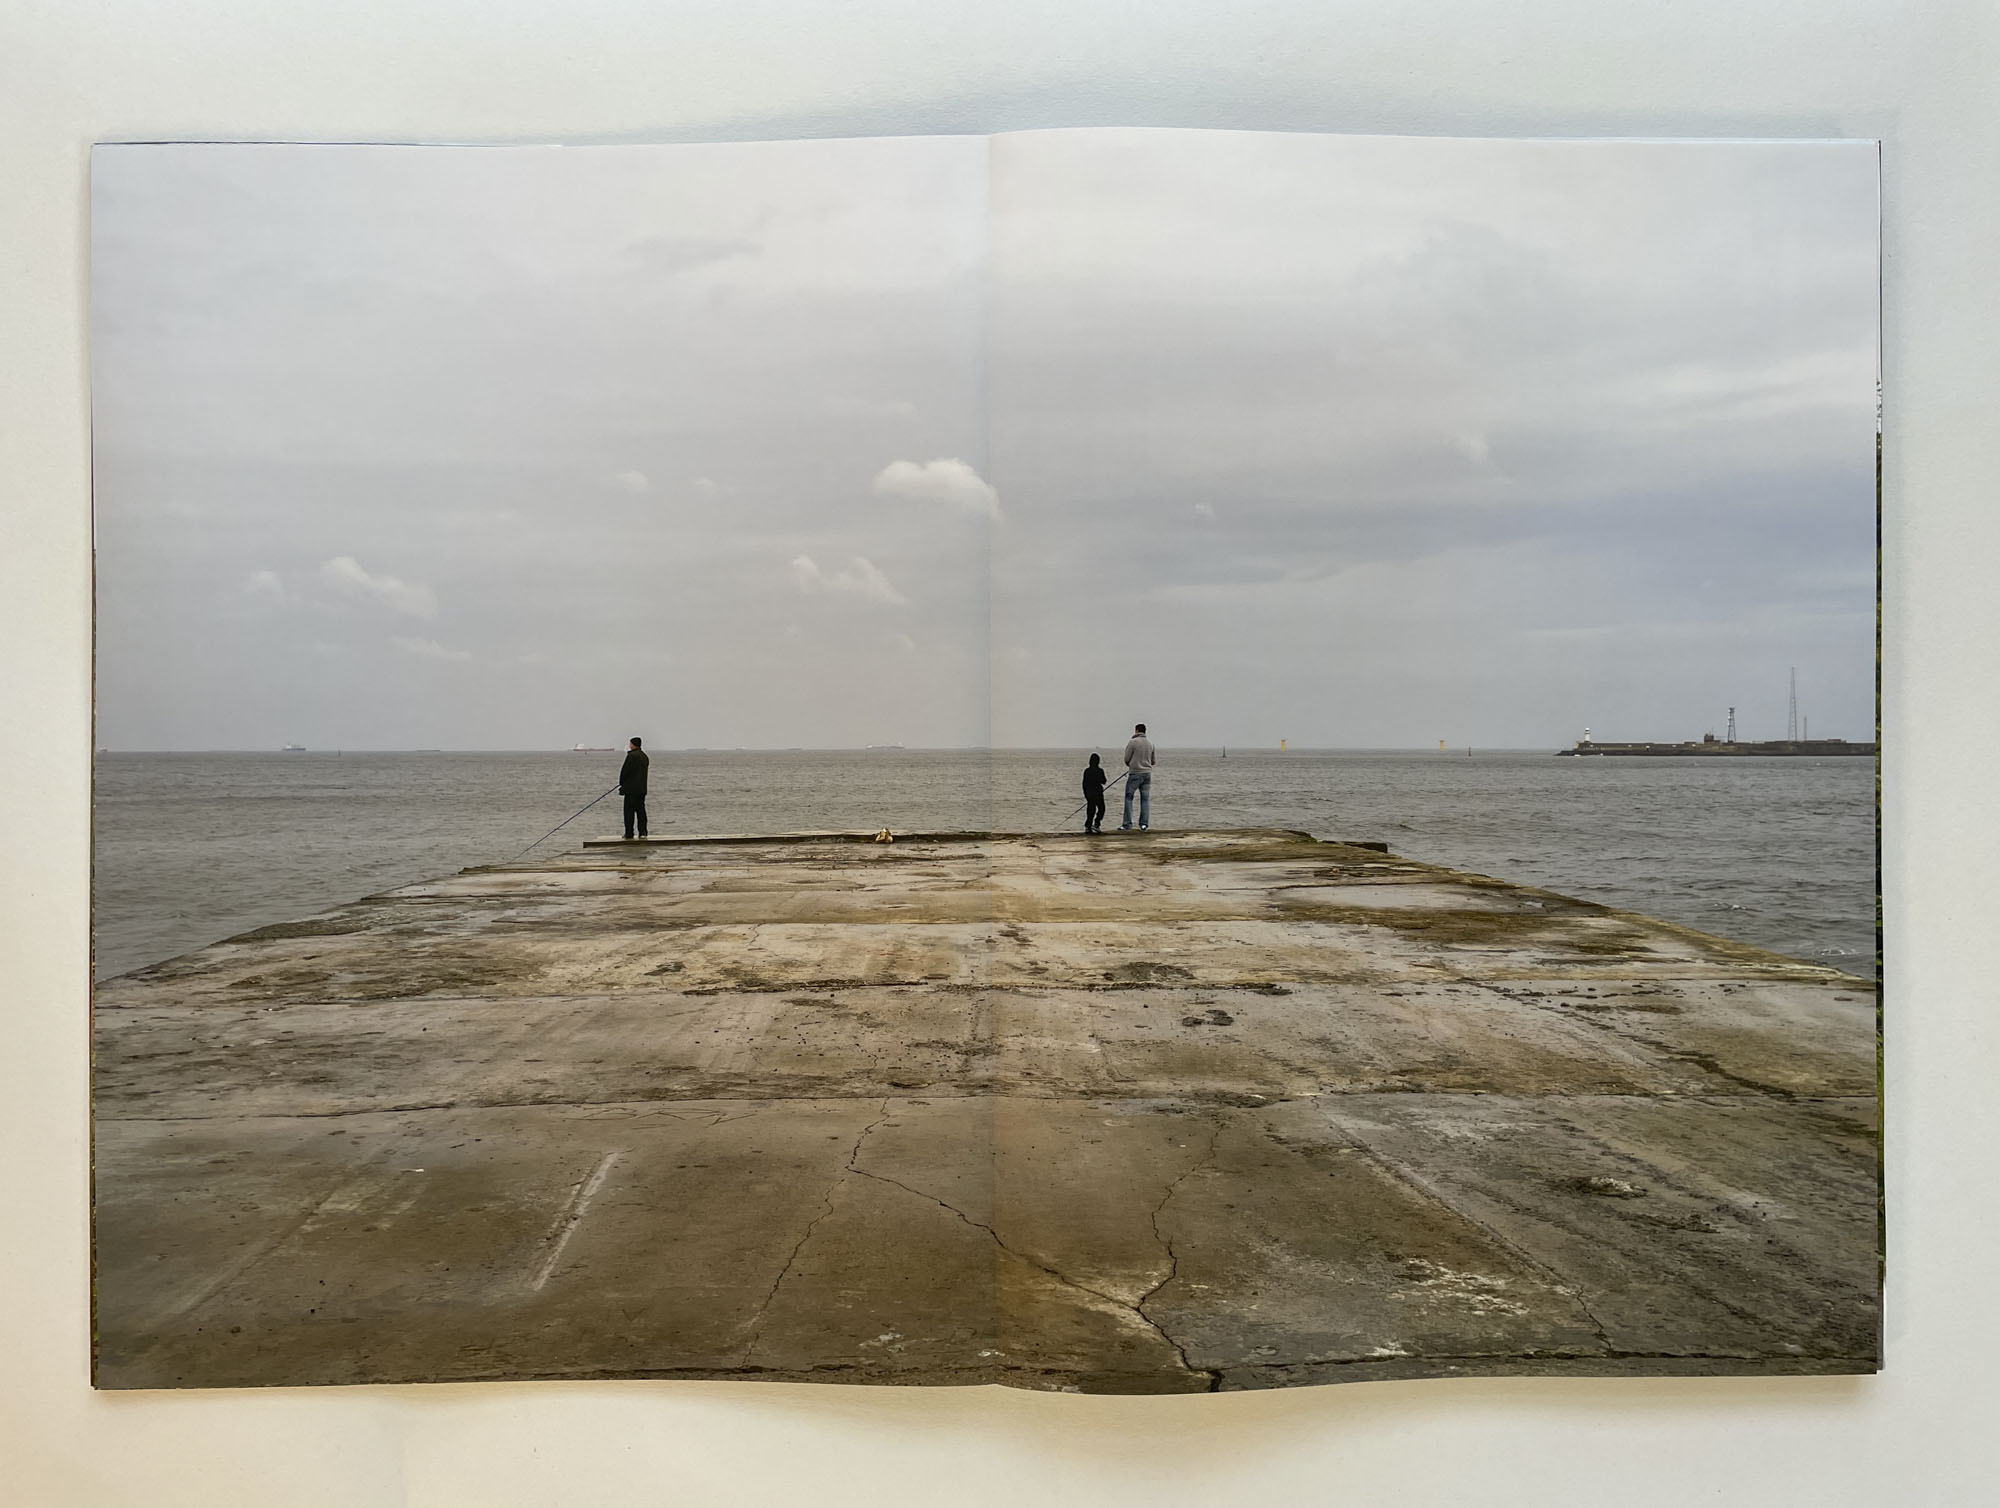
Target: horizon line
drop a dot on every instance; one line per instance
(830, 749)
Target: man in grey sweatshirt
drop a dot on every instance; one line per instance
(1139, 777)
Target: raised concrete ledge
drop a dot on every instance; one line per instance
(968, 835)
(829, 835)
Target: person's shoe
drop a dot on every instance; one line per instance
(1143, 828)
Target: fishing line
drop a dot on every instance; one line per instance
(562, 824)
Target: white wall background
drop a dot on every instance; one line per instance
(1921, 76)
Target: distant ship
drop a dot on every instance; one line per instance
(885, 748)
(582, 749)
(293, 749)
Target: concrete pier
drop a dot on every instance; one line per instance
(1181, 1112)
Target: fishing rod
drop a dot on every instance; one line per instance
(564, 823)
(1086, 800)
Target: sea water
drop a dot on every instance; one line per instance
(1777, 852)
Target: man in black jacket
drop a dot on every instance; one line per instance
(632, 783)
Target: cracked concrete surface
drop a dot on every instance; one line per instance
(1181, 1112)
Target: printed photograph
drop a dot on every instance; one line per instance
(1111, 761)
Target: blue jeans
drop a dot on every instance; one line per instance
(1142, 782)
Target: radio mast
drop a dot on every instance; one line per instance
(1792, 715)
(1730, 738)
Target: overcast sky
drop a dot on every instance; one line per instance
(1349, 441)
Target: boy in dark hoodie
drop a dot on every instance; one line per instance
(1093, 796)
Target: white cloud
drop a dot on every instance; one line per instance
(634, 482)
(939, 481)
(267, 586)
(1203, 510)
(344, 573)
(705, 486)
(430, 649)
(860, 579)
